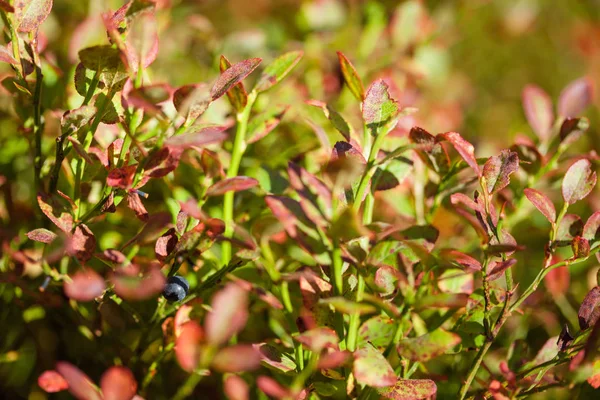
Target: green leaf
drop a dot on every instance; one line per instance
(347, 226)
(428, 346)
(345, 306)
(277, 70)
(379, 331)
(409, 389)
(262, 124)
(334, 117)
(351, 77)
(371, 367)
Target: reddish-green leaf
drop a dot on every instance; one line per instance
(371, 368)
(572, 129)
(569, 227)
(334, 117)
(277, 70)
(228, 315)
(432, 153)
(165, 244)
(6, 56)
(141, 45)
(134, 202)
(237, 95)
(131, 283)
(80, 385)
(442, 300)
(63, 220)
(118, 383)
(318, 339)
(591, 230)
(409, 389)
(580, 247)
(379, 109)
(497, 268)
(187, 345)
(575, 97)
(42, 235)
(456, 281)
(589, 311)
(237, 358)
(456, 257)
(275, 359)
(262, 124)
(232, 76)
(538, 110)
(236, 388)
(235, 184)
(379, 331)
(148, 98)
(557, 281)
(578, 181)
(542, 203)
(30, 14)
(121, 178)
(198, 137)
(52, 382)
(351, 77)
(497, 170)
(463, 147)
(345, 306)
(428, 346)
(74, 120)
(191, 101)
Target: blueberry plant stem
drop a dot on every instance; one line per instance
(474, 368)
(239, 146)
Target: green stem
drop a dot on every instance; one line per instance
(37, 118)
(473, 370)
(188, 387)
(239, 146)
(354, 324)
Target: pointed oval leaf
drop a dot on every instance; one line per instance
(141, 44)
(52, 382)
(379, 109)
(463, 147)
(578, 181)
(232, 76)
(456, 257)
(235, 184)
(428, 346)
(379, 331)
(82, 244)
(85, 286)
(237, 95)
(372, 368)
(80, 385)
(42, 235)
(569, 227)
(538, 110)
(198, 137)
(409, 389)
(351, 77)
(187, 345)
(30, 14)
(497, 170)
(64, 220)
(237, 358)
(165, 244)
(118, 383)
(228, 315)
(542, 203)
(497, 269)
(591, 230)
(589, 311)
(575, 97)
(277, 70)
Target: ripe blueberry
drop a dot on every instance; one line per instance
(176, 289)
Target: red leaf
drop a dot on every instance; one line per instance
(228, 315)
(351, 77)
(270, 387)
(82, 244)
(232, 76)
(135, 203)
(132, 284)
(333, 359)
(85, 286)
(432, 153)
(165, 244)
(557, 281)
(589, 311)
(52, 382)
(237, 358)
(497, 268)
(538, 110)
(141, 44)
(149, 97)
(318, 339)
(542, 203)
(198, 137)
(463, 147)
(118, 383)
(187, 345)
(191, 101)
(64, 221)
(42, 235)
(575, 97)
(236, 388)
(237, 95)
(235, 184)
(497, 170)
(579, 181)
(6, 56)
(469, 263)
(80, 385)
(121, 177)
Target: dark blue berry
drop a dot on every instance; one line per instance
(176, 289)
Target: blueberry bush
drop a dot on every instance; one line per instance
(250, 200)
